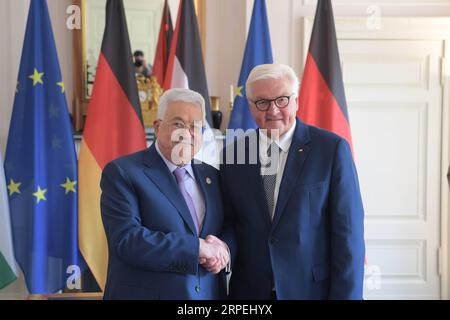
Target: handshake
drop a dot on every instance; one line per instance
(214, 254)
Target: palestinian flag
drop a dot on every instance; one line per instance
(113, 128)
(322, 98)
(186, 68)
(8, 272)
(163, 46)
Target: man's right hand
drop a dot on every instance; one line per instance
(213, 254)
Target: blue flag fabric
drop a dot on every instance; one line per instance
(40, 165)
(258, 50)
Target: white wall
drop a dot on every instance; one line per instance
(225, 42)
(12, 18)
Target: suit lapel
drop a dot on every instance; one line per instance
(298, 152)
(201, 176)
(158, 172)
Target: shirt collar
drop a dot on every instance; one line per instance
(284, 142)
(172, 167)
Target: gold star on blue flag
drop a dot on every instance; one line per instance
(13, 187)
(40, 194)
(69, 186)
(239, 91)
(36, 77)
(61, 84)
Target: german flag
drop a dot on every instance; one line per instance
(113, 128)
(322, 97)
(322, 100)
(163, 46)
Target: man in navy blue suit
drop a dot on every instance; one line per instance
(161, 210)
(293, 209)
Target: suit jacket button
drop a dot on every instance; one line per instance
(273, 240)
(197, 288)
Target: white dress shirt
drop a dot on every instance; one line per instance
(284, 143)
(191, 186)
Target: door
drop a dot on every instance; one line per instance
(394, 96)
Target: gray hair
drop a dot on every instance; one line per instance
(271, 71)
(180, 95)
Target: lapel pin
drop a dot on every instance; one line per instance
(208, 180)
(300, 150)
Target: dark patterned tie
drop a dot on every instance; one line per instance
(270, 178)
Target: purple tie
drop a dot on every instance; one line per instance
(181, 175)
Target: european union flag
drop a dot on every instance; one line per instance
(257, 51)
(40, 165)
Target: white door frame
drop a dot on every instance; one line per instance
(414, 29)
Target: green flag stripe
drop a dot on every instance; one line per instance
(6, 274)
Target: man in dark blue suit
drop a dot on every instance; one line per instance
(293, 209)
(158, 206)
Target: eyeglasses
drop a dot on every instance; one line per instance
(193, 128)
(280, 102)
